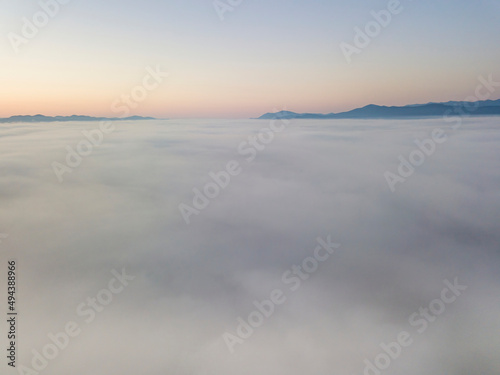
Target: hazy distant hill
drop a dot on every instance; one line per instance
(484, 108)
(42, 118)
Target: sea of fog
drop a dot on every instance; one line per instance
(243, 247)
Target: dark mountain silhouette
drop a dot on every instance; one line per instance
(42, 118)
(480, 108)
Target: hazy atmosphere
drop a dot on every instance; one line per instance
(120, 209)
(236, 187)
(241, 61)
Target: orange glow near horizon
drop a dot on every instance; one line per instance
(239, 70)
(198, 89)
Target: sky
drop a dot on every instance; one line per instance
(260, 57)
(83, 201)
(191, 282)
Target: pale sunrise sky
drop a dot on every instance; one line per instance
(264, 56)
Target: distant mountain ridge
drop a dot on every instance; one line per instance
(479, 108)
(42, 118)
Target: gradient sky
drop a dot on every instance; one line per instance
(264, 56)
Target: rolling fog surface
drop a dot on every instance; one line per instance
(120, 209)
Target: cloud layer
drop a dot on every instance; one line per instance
(119, 209)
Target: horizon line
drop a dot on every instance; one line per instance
(217, 118)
